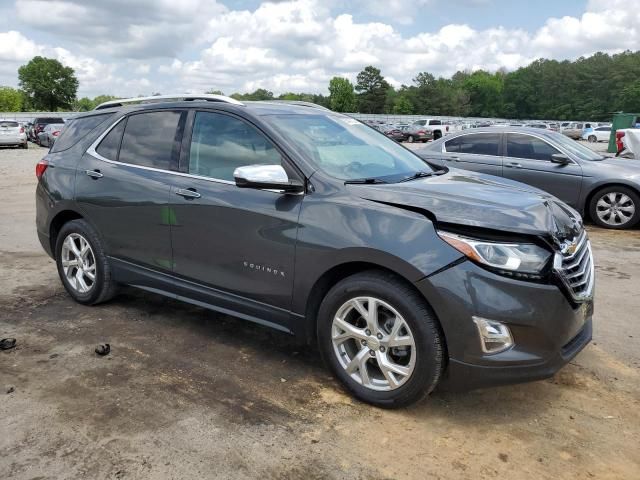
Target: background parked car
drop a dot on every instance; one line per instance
(573, 130)
(598, 134)
(38, 126)
(605, 189)
(433, 126)
(417, 133)
(12, 134)
(48, 136)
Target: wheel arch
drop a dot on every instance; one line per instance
(56, 224)
(339, 272)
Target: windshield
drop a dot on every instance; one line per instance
(347, 149)
(573, 147)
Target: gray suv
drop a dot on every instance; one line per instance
(312, 223)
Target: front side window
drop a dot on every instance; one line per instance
(221, 143)
(528, 147)
(151, 139)
(345, 148)
(477, 144)
(435, 122)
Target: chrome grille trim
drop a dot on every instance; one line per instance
(577, 270)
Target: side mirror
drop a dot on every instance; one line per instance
(560, 158)
(266, 177)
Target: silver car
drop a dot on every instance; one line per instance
(605, 189)
(48, 136)
(12, 134)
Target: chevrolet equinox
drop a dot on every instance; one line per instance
(310, 222)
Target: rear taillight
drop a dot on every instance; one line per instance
(619, 144)
(56, 133)
(421, 132)
(41, 166)
(21, 129)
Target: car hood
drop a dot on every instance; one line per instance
(478, 200)
(613, 168)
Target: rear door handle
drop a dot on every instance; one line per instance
(95, 174)
(455, 159)
(513, 165)
(188, 193)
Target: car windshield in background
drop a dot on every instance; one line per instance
(9, 124)
(580, 151)
(347, 149)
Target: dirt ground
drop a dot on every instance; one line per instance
(187, 393)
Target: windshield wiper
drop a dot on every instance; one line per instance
(364, 181)
(422, 175)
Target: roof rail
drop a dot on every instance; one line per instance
(296, 102)
(161, 98)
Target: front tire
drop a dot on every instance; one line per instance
(381, 339)
(615, 207)
(410, 139)
(82, 264)
(592, 138)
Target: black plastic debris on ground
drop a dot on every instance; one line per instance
(7, 343)
(103, 349)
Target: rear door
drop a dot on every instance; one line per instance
(123, 185)
(239, 241)
(480, 152)
(528, 160)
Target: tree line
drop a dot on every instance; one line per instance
(587, 88)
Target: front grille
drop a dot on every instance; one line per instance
(576, 269)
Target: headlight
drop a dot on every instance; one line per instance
(524, 258)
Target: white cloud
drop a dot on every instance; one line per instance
(127, 48)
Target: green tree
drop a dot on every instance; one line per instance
(84, 104)
(342, 97)
(259, 94)
(372, 90)
(48, 84)
(485, 93)
(10, 99)
(214, 92)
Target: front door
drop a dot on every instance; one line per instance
(528, 160)
(238, 241)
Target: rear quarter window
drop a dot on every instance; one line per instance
(76, 129)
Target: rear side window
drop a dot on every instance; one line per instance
(477, 144)
(110, 144)
(151, 139)
(220, 144)
(6, 124)
(526, 146)
(76, 129)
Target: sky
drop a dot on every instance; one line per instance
(139, 47)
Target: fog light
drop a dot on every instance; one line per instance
(495, 337)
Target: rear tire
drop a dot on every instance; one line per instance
(437, 135)
(592, 138)
(410, 139)
(380, 362)
(82, 264)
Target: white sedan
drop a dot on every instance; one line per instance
(12, 134)
(598, 134)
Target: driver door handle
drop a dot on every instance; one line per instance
(513, 165)
(188, 193)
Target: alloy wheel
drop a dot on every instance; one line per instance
(78, 263)
(373, 343)
(615, 208)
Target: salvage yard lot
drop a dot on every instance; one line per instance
(188, 393)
